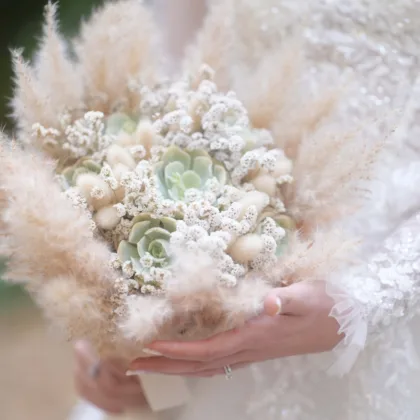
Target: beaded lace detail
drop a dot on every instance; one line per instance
(377, 44)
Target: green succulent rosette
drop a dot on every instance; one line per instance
(180, 170)
(120, 122)
(148, 243)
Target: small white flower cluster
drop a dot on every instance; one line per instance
(79, 202)
(48, 136)
(86, 136)
(205, 120)
(123, 228)
(108, 176)
(261, 159)
(196, 239)
(206, 229)
(141, 195)
(271, 236)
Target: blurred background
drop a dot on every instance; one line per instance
(35, 364)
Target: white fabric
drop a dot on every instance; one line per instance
(377, 43)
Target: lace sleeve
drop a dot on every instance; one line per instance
(375, 295)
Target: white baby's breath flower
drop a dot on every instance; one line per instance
(138, 152)
(268, 226)
(192, 195)
(149, 289)
(279, 233)
(97, 192)
(236, 143)
(268, 162)
(177, 239)
(204, 224)
(115, 262)
(278, 204)
(121, 210)
(127, 269)
(228, 280)
(269, 244)
(186, 124)
(224, 236)
(258, 262)
(238, 271)
(284, 179)
(147, 261)
(92, 225)
(233, 211)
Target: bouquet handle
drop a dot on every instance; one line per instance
(161, 393)
(164, 392)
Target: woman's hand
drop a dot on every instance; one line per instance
(105, 384)
(296, 321)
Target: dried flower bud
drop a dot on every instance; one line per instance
(107, 218)
(265, 183)
(283, 167)
(117, 155)
(145, 134)
(254, 198)
(86, 183)
(246, 248)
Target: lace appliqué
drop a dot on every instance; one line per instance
(376, 295)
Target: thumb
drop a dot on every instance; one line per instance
(290, 300)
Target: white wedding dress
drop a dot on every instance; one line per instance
(377, 44)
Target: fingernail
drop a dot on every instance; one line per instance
(135, 372)
(278, 305)
(152, 352)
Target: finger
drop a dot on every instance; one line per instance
(217, 372)
(90, 392)
(296, 299)
(216, 347)
(162, 365)
(110, 370)
(119, 394)
(111, 379)
(182, 367)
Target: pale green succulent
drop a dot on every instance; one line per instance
(118, 122)
(148, 238)
(82, 166)
(180, 170)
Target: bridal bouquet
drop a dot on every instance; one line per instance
(135, 207)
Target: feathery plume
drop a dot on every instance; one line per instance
(117, 46)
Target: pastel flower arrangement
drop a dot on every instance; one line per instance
(136, 207)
